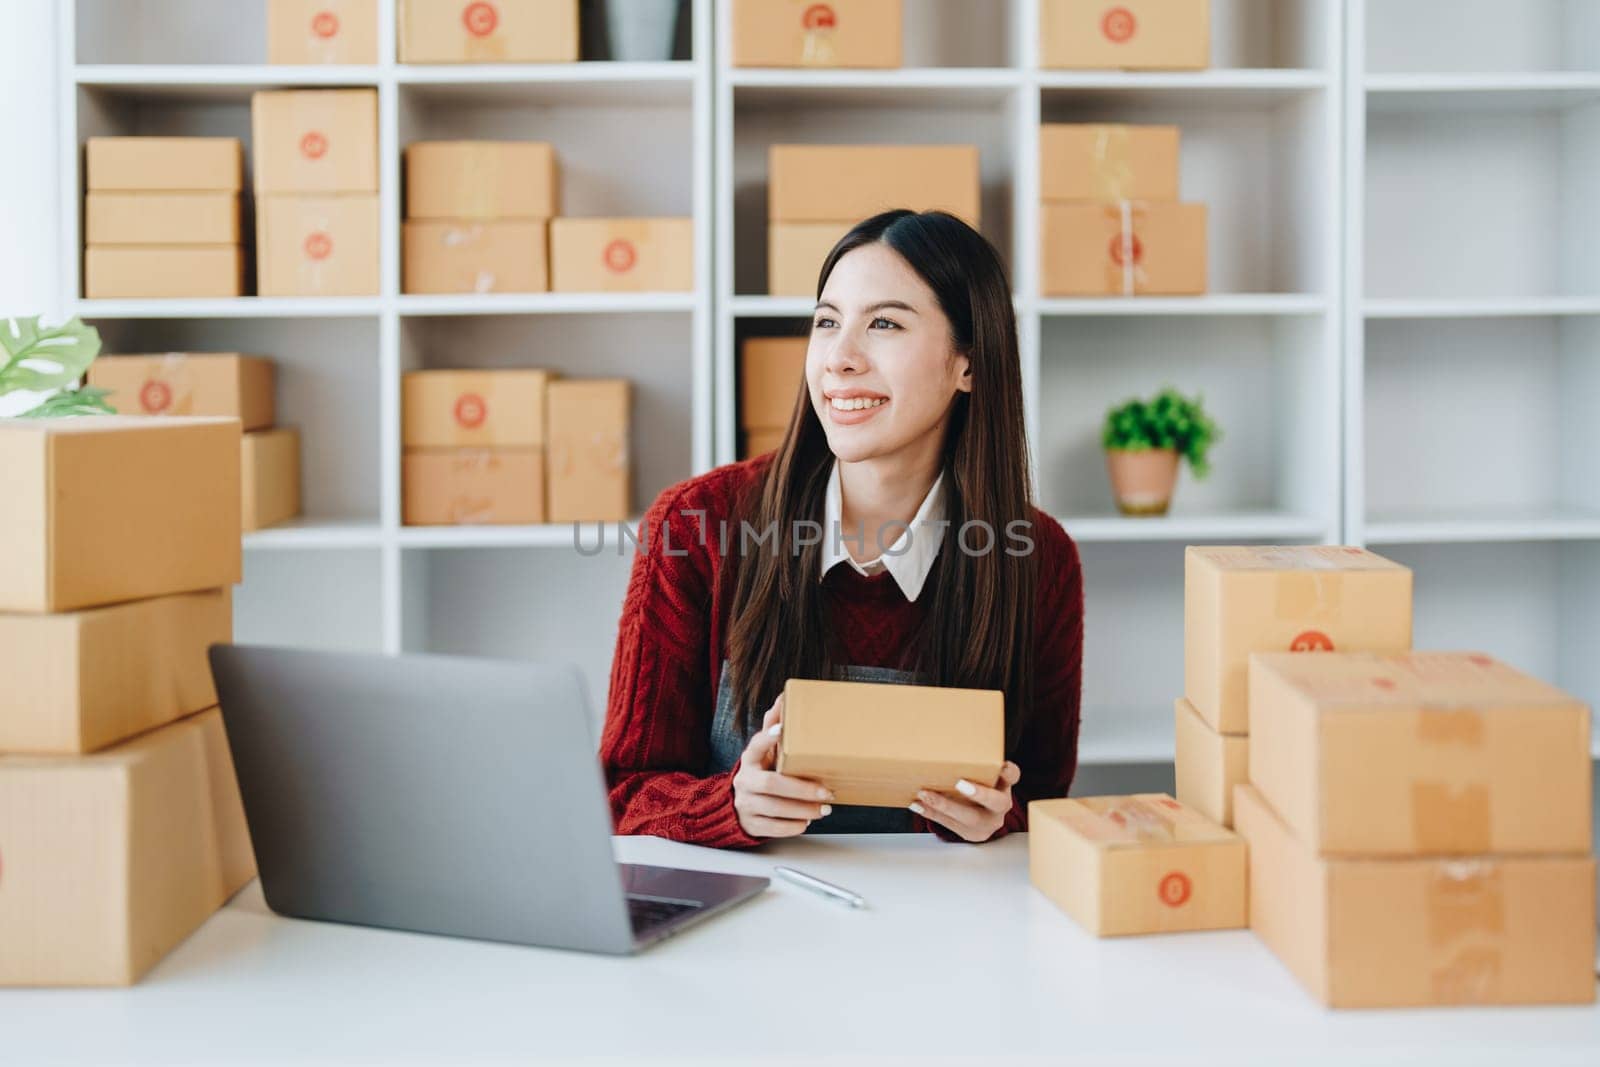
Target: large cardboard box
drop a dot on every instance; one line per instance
(190, 383)
(1107, 161)
(305, 32)
(317, 245)
(771, 370)
(1131, 248)
(879, 745)
(590, 471)
(759, 442)
(488, 31)
(455, 180)
(454, 487)
(505, 256)
(269, 478)
(1141, 864)
(796, 252)
(474, 408)
(315, 141)
(1429, 753)
(161, 219)
(634, 255)
(105, 508)
(1125, 34)
(165, 164)
(848, 183)
(112, 860)
(1208, 764)
(163, 271)
(79, 681)
(1316, 598)
(1409, 932)
(802, 33)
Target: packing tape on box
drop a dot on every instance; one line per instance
(1303, 597)
(1129, 819)
(468, 509)
(1446, 816)
(482, 178)
(1112, 168)
(1466, 923)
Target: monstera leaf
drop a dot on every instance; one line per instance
(86, 401)
(39, 358)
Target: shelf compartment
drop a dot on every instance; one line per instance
(1481, 36)
(324, 599)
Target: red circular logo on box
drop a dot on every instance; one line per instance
(1119, 25)
(1116, 249)
(313, 145)
(471, 410)
(325, 24)
(319, 245)
(155, 397)
(1386, 684)
(1175, 889)
(1312, 641)
(819, 17)
(620, 256)
(480, 19)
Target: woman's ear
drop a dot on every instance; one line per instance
(964, 382)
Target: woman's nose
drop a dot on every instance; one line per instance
(845, 355)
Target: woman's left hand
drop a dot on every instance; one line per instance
(978, 812)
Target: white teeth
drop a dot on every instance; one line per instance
(856, 403)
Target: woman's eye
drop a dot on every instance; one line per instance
(881, 323)
(822, 323)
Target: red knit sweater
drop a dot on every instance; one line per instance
(670, 649)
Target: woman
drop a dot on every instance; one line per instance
(907, 452)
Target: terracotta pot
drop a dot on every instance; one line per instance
(1143, 480)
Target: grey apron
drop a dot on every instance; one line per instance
(729, 739)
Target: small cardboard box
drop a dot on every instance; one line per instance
(759, 442)
(590, 471)
(801, 33)
(80, 681)
(1208, 764)
(1268, 598)
(474, 408)
(1108, 161)
(454, 180)
(488, 31)
(105, 508)
(269, 478)
(878, 745)
(1125, 34)
(163, 271)
(315, 141)
(848, 183)
(1419, 753)
(771, 370)
(1131, 248)
(456, 487)
(306, 32)
(796, 252)
(161, 219)
(112, 860)
(317, 245)
(508, 256)
(634, 255)
(1141, 864)
(1410, 932)
(190, 383)
(165, 164)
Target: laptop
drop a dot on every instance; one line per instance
(443, 795)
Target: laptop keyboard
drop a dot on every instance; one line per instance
(649, 913)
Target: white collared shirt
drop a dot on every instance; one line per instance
(911, 556)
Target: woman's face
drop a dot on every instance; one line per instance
(881, 367)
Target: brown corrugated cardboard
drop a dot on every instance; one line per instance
(835, 183)
(475, 257)
(590, 472)
(633, 255)
(878, 745)
(803, 33)
(105, 508)
(305, 32)
(317, 245)
(112, 860)
(473, 408)
(1125, 34)
(1208, 764)
(165, 164)
(79, 681)
(757, 442)
(190, 383)
(488, 31)
(269, 478)
(1374, 933)
(796, 252)
(453, 487)
(1427, 753)
(771, 370)
(455, 180)
(1108, 161)
(1140, 864)
(161, 219)
(163, 271)
(1130, 248)
(315, 141)
(1239, 600)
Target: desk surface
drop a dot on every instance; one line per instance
(957, 956)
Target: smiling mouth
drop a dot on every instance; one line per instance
(856, 403)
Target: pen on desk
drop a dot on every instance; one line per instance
(817, 885)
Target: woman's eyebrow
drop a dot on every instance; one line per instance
(899, 305)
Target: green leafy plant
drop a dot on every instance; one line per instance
(39, 358)
(1167, 420)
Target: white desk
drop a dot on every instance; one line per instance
(958, 956)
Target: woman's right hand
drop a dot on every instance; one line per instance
(772, 804)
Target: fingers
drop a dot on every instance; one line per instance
(762, 751)
(757, 804)
(760, 826)
(994, 800)
(1010, 775)
(774, 714)
(967, 819)
(782, 785)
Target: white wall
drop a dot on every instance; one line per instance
(30, 276)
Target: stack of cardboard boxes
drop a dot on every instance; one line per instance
(161, 218)
(771, 370)
(306, 32)
(488, 31)
(120, 822)
(316, 188)
(1125, 34)
(622, 255)
(803, 33)
(477, 216)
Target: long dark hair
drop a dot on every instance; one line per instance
(978, 632)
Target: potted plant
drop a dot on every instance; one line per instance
(42, 365)
(1145, 439)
